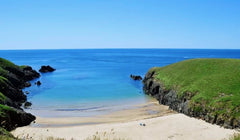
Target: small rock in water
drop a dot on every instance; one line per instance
(136, 77)
(38, 83)
(46, 69)
(27, 104)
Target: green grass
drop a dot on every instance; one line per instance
(235, 137)
(3, 80)
(4, 110)
(213, 84)
(5, 135)
(23, 66)
(6, 63)
(3, 85)
(3, 67)
(2, 97)
(3, 72)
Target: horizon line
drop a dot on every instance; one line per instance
(121, 48)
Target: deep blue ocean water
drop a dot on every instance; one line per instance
(96, 81)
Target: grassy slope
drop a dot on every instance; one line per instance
(213, 83)
(5, 135)
(3, 74)
(6, 63)
(235, 137)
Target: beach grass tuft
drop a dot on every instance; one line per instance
(235, 137)
(52, 138)
(5, 135)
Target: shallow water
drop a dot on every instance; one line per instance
(96, 81)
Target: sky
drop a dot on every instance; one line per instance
(83, 24)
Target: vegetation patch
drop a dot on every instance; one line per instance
(2, 97)
(5, 135)
(6, 63)
(4, 110)
(235, 137)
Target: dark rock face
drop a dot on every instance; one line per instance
(165, 97)
(17, 75)
(182, 104)
(17, 79)
(27, 104)
(27, 84)
(38, 83)
(46, 69)
(13, 92)
(30, 74)
(16, 118)
(136, 77)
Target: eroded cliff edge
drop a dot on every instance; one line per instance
(178, 87)
(13, 79)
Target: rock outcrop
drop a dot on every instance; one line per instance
(166, 97)
(38, 83)
(47, 68)
(13, 118)
(13, 79)
(135, 77)
(169, 97)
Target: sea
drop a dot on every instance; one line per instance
(91, 82)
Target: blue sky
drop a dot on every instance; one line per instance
(67, 24)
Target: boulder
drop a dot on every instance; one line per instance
(12, 118)
(30, 74)
(27, 84)
(136, 77)
(27, 104)
(38, 83)
(47, 68)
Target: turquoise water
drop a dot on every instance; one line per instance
(93, 82)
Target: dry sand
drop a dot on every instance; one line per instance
(161, 124)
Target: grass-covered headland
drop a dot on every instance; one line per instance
(13, 79)
(205, 88)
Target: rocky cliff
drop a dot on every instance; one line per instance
(165, 96)
(205, 97)
(13, 79)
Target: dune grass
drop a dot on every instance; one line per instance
(211, 83)
(5, 135)
(52, 138)
(235, 137)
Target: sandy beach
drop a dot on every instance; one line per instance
(160, 124)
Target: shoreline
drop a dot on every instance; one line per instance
(150, 109)
(125, 124)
